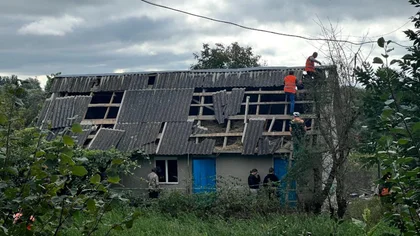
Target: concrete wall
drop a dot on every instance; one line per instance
(229, 169)
(239, 166)
(137, 181)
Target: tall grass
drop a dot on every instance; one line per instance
(155, 223)
(231, 214)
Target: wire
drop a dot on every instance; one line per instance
(255, 29)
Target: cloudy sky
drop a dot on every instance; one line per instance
(100, 36)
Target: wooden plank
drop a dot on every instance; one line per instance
(257, 103)
(104, 105)
(237, 134)
(227, 131)
(272, 124)
(110, 102)
(98, 122)
(241, 117)
(251, 92)
(246, 110)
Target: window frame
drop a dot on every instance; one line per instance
(166, 159)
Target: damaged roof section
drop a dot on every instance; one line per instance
(64, 111)
(100, 83)
(106, 139)
(174, 139)
(137, 135)
(253, 132)
(80, 138)
(267, 146)
(227, 104)
(161, 105)
(205, 147)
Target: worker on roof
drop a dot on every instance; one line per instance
(298, 131)
(290, 89)
(310, 64)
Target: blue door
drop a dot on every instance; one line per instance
(204, 175)
(280, 168)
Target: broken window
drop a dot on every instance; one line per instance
(167, 169)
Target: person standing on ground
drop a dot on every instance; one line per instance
(254, 181)
(310, 64)
(271, 183)
(290, 89)
(153, 184)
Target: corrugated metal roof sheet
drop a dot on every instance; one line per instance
(174, 139)
(234, 101)
(200, 130)
(227, 104)
(106, 139)
(214, 78)
(206, 147)
(249, 69)
(63, 109)
(161, 105)
(253, 133)
(79, 138)
(263, 146)
(137, 135)
(219, 105)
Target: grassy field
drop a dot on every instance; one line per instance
(153, 223)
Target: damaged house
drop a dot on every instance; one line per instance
(194, 125)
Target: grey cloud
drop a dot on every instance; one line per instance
(90, 48)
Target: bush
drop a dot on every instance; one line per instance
(230, 200)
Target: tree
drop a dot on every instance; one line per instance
(393, 100)
(55, 181)
(337, 107)
(222, 57)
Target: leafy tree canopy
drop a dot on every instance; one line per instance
(225, 57)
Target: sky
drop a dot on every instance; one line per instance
(97, 36)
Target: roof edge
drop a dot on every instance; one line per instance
(199, 71)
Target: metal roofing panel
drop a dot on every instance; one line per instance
(63, 109)
(149, 148)
(80, 138)
(43, 112)
(158, 105)
(200, 130)
(219, 105)
(264, 146)
(253, 133)
(206, 147)
(106, 139)
(234, 101)
(137, 135)
(174, 139)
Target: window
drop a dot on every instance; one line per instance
(167, 169)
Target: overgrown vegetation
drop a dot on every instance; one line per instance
(393, 103)
(45, 185)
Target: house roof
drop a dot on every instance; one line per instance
(154, 114)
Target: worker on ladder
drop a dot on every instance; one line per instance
(290, 89)
(298, 131)
(310, 65)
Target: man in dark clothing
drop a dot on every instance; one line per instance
(254, 181)
(271, 183)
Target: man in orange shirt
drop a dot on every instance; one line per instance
(310, 64)
(290, 89)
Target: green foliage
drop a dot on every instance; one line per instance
(151, 222)
(222, 57)
(392, 102)
(54, 181)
